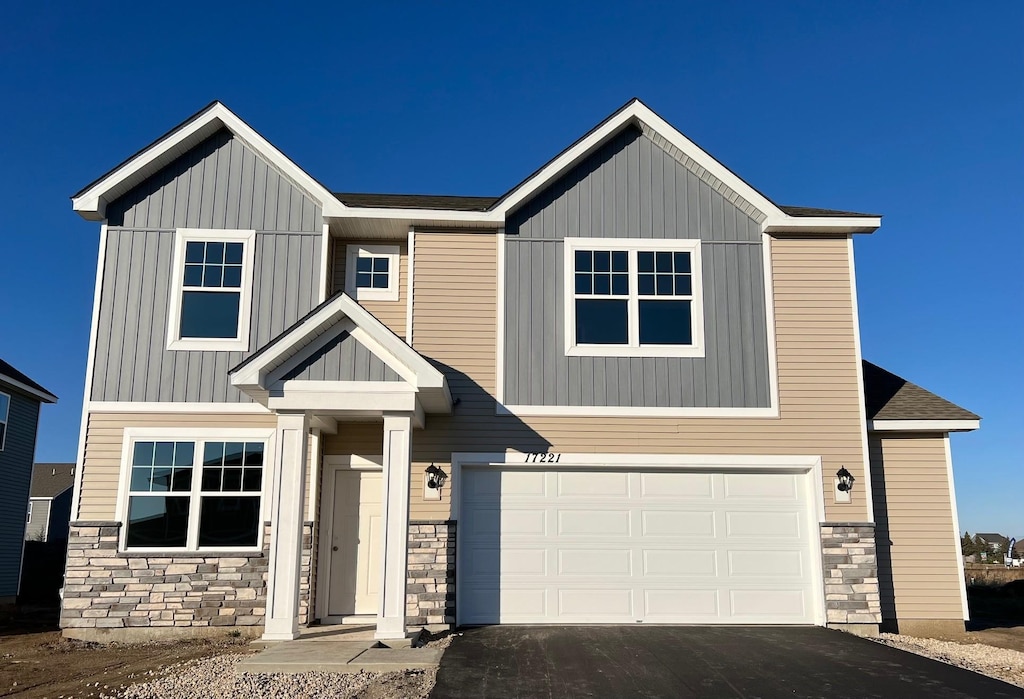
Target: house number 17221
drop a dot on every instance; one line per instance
(541, 457)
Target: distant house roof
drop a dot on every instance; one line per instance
(891, 397)
(1018, 548)
(458, 203)
(15, 378)
(993, 538)
(50, 480)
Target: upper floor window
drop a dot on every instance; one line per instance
(371, 272)
(211, 297)
(5, 409)
(633, 298)
(194, 494)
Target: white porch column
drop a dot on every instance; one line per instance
(395, 511)
(286, 516)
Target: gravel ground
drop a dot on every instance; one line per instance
(216, 677)
(1001, 663)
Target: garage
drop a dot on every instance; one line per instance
(599, 544)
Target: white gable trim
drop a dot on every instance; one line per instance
(923, 425)
(637, 112)
(91, 203)
(258, 376)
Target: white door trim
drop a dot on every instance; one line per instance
(331, 464)
(809, 465)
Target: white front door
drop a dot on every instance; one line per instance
(617, 546)
(355, 543)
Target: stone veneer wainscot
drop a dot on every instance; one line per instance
(850, 566)
(111, 594)
(430, 590)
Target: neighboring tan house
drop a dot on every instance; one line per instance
(49, 504)
(628, 390)
(20, 398)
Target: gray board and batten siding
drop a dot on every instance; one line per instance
(220, 184)
(16, 466)
(632, 188)
(344, 358)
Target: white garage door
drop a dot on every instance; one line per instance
(600, 546)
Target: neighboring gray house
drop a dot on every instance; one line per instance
(20, 398)
(995, 542)
(49, 506)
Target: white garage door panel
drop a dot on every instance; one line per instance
(589, 546)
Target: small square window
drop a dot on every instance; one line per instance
(372, 272)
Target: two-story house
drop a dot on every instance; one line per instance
(20, 401)
(629, 390)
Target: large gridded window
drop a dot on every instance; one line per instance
(372, 272)
(633, 298)
(202, 494)
(5, 412)
(210, 304)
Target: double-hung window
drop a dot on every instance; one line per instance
(194, 494)
(5, 411)
(633, 298)
(371, 272)
(212, 284)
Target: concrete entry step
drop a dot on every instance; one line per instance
(340, 652)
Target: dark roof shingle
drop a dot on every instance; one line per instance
(891, 397)
(12, 373)
(50, 480)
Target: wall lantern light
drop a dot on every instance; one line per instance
(435, 477)
(844, 484)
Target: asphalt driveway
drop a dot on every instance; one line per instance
(529, 662)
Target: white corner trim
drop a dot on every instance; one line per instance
(172, 407)
(325, 261)
(623, 411)
(769, 321)
(633, 348)
(410, 284)
(957, 549)
(91, 203)
(923, 425)
(239, 343)
(499, 330)
(89, 368)
(861, 402)
(392, 253)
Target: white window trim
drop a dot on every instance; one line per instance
(28, 515)
(353, 252)
(633, 348)
(240, 343)
(134, 434)
(5, 419)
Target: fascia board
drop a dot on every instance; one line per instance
(923, 425)
(44, 396)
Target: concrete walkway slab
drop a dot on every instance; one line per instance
(339, 652)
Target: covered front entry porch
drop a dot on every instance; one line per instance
(340, 364)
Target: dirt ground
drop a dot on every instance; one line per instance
(35, 661)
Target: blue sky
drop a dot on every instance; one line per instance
(910, 109)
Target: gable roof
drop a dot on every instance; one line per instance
(91, 201)
(15, 378)
(256, 374)
(993, 538)
(50, 480)
(888, 397)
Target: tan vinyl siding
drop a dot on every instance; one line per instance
(915, 528)
(104, 439)
(391, 313)
(367, 439)
(455, 327)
